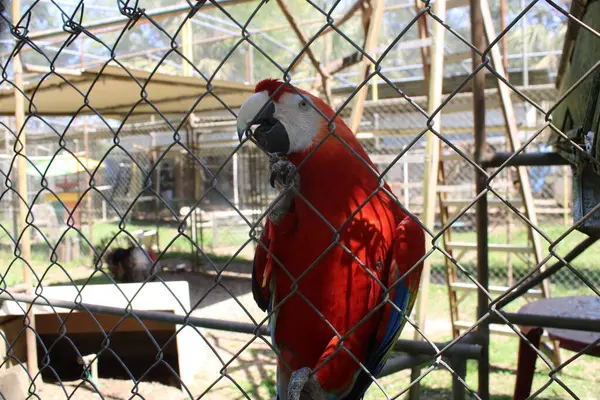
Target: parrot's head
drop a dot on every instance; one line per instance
(287, 122)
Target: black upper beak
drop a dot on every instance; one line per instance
(270, 134)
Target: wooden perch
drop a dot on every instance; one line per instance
(360, 4)
(304, 41)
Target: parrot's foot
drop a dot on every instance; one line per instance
(304, 386)
(283, 177)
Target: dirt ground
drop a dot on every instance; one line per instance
(248, 360)
(110, 389)
(235, 366)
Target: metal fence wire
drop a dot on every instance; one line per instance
(121, 156)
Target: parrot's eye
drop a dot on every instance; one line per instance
(303, 105)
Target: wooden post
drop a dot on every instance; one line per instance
(25, 242)
(86, 149)
(509, 226)
(502, 28)
(432, 151)
(432, 161)
(481, 208)
(370, 45)
(423, 34)
(513, 138)
(90, 217)
(566, 192)
(154, 155)
(188, 48)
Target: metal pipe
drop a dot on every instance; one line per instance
(459, 365)
(420, 353)
(477, 39)
(467, 351)
(402, 362)
(464, 349)
(537, 279)
(158, 316)
(548, 321)
(524, 159)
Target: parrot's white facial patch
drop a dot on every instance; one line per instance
(300, 119)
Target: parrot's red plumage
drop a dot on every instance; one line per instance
(345, 274)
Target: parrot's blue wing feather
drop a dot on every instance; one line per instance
(403, 298)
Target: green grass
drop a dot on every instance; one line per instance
(171, 243)
(229, 238)
(579, 376)
(587, 263)
(503, 360)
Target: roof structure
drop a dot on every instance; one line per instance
(386, 117)
(112, 91)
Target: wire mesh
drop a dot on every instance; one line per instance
(158, 174)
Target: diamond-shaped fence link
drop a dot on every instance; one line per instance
(137, 229)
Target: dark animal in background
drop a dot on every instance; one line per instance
(129, 265)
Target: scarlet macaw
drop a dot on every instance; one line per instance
(332, 247)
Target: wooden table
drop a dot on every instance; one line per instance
(576, 306)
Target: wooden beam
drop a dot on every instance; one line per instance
(432, 149)
(25, 234)
(431, 174)
(187, 40)
(370, 45)
(470, 287)
(304, 41)
(342, 20)
(423, 35)
(513, 137)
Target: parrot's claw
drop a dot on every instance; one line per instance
(283, 177)
(304, 385)
(283, 173)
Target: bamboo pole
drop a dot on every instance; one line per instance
(432, 161)
(25, 240)
(432, 151)
(370, 46)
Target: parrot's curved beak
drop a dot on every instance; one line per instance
(270, 134)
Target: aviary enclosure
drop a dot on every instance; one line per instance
(119, 121)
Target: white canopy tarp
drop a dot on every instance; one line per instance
(115, 92)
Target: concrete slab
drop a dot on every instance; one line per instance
(172, 297)
(14, 383)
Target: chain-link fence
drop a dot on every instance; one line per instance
(151, 247)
